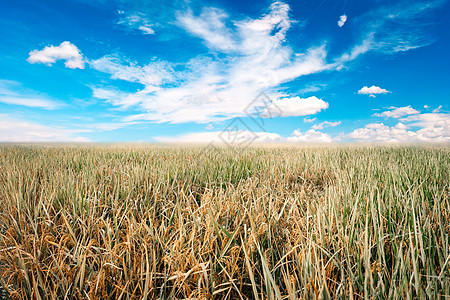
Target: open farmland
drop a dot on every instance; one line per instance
(278, 222)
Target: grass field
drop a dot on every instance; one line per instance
(281, 222)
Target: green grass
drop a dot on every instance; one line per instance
(150, 222)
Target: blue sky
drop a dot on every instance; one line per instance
(234, 71)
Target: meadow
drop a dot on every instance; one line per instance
(264, 222)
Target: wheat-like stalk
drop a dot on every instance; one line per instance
(149, 222)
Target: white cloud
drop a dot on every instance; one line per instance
(342, 20)
(306, 120)
(118, 98)
(398, 112)
(243, 58)
(136, 21)
(389, 37)
(207, 89)
(428, 119)
(146, 29)
(295, 106)
(429, 127)
(325, 124)
(12, 92)
(381, 133)
(50, 54)
(372, 91)
(311, 88)
(310, 136)
(245, 137)
(18, 130)
(356, 51)
(151, 75)
(437, 109)
(235, 138)
(393, 28)
(109, 126)
(210, 27)
(28, 101)
(433, 127)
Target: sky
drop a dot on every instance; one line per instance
(221, 71)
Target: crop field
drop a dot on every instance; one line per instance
(264, 222)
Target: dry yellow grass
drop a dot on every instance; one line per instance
(91, 222)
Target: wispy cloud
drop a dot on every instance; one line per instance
(307, 120)
(210, 88)
(245, 58)
(325, 124)
(438, 109)
(13, 93)
(136, 21)
(402, 27)
(108, 126)
(13, 129)
(342, 20)
(152, 75)
(393, 29)
(311, 88)
(241, 58)
(210, 27)
(50, 54)
(398, 112)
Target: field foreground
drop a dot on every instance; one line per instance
(258, 223)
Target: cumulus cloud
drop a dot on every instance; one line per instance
(372, 91)
(245, 137)
(398, 112)
(342, 20)
(428, 119)
(137, 21)
(18, 130)
(380, 132)
(50, 54)
(236, 138)
(12, 92)
(429, 127)
(295, 106)
(310, 136)
(325, 124)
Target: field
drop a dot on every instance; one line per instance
(280, 222)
